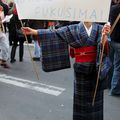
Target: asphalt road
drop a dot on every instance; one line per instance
(24, 97)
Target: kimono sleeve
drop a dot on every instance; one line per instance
(55, 54)
(106, 63)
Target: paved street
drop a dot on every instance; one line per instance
(23, 97)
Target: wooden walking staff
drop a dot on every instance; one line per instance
(101, 57)
(34, 65)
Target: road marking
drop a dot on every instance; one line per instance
(36, 86)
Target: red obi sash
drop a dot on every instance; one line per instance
(85, 54)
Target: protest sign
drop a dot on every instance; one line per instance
(67, 10)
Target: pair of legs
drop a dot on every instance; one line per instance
(21, 51)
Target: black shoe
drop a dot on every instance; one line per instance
(36, 58)
(12, 61)
(21, 60)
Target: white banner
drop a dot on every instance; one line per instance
(70, 10)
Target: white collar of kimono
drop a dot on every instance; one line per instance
(88, 30)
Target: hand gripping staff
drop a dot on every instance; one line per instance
(101, 57)
(34, 65)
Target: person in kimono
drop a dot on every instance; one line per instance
(84, 37)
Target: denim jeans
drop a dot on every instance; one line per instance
(37, 49)
(110, 74)
(115, 83)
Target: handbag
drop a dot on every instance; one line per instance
(19, 33)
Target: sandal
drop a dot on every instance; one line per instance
(5, 65)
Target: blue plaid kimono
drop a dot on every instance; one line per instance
(55, 53)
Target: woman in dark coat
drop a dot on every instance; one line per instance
(16, 37)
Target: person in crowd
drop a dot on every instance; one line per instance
(84, 37)
(16, 36)
(5, 9)
(115, 44)
(4, 44)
